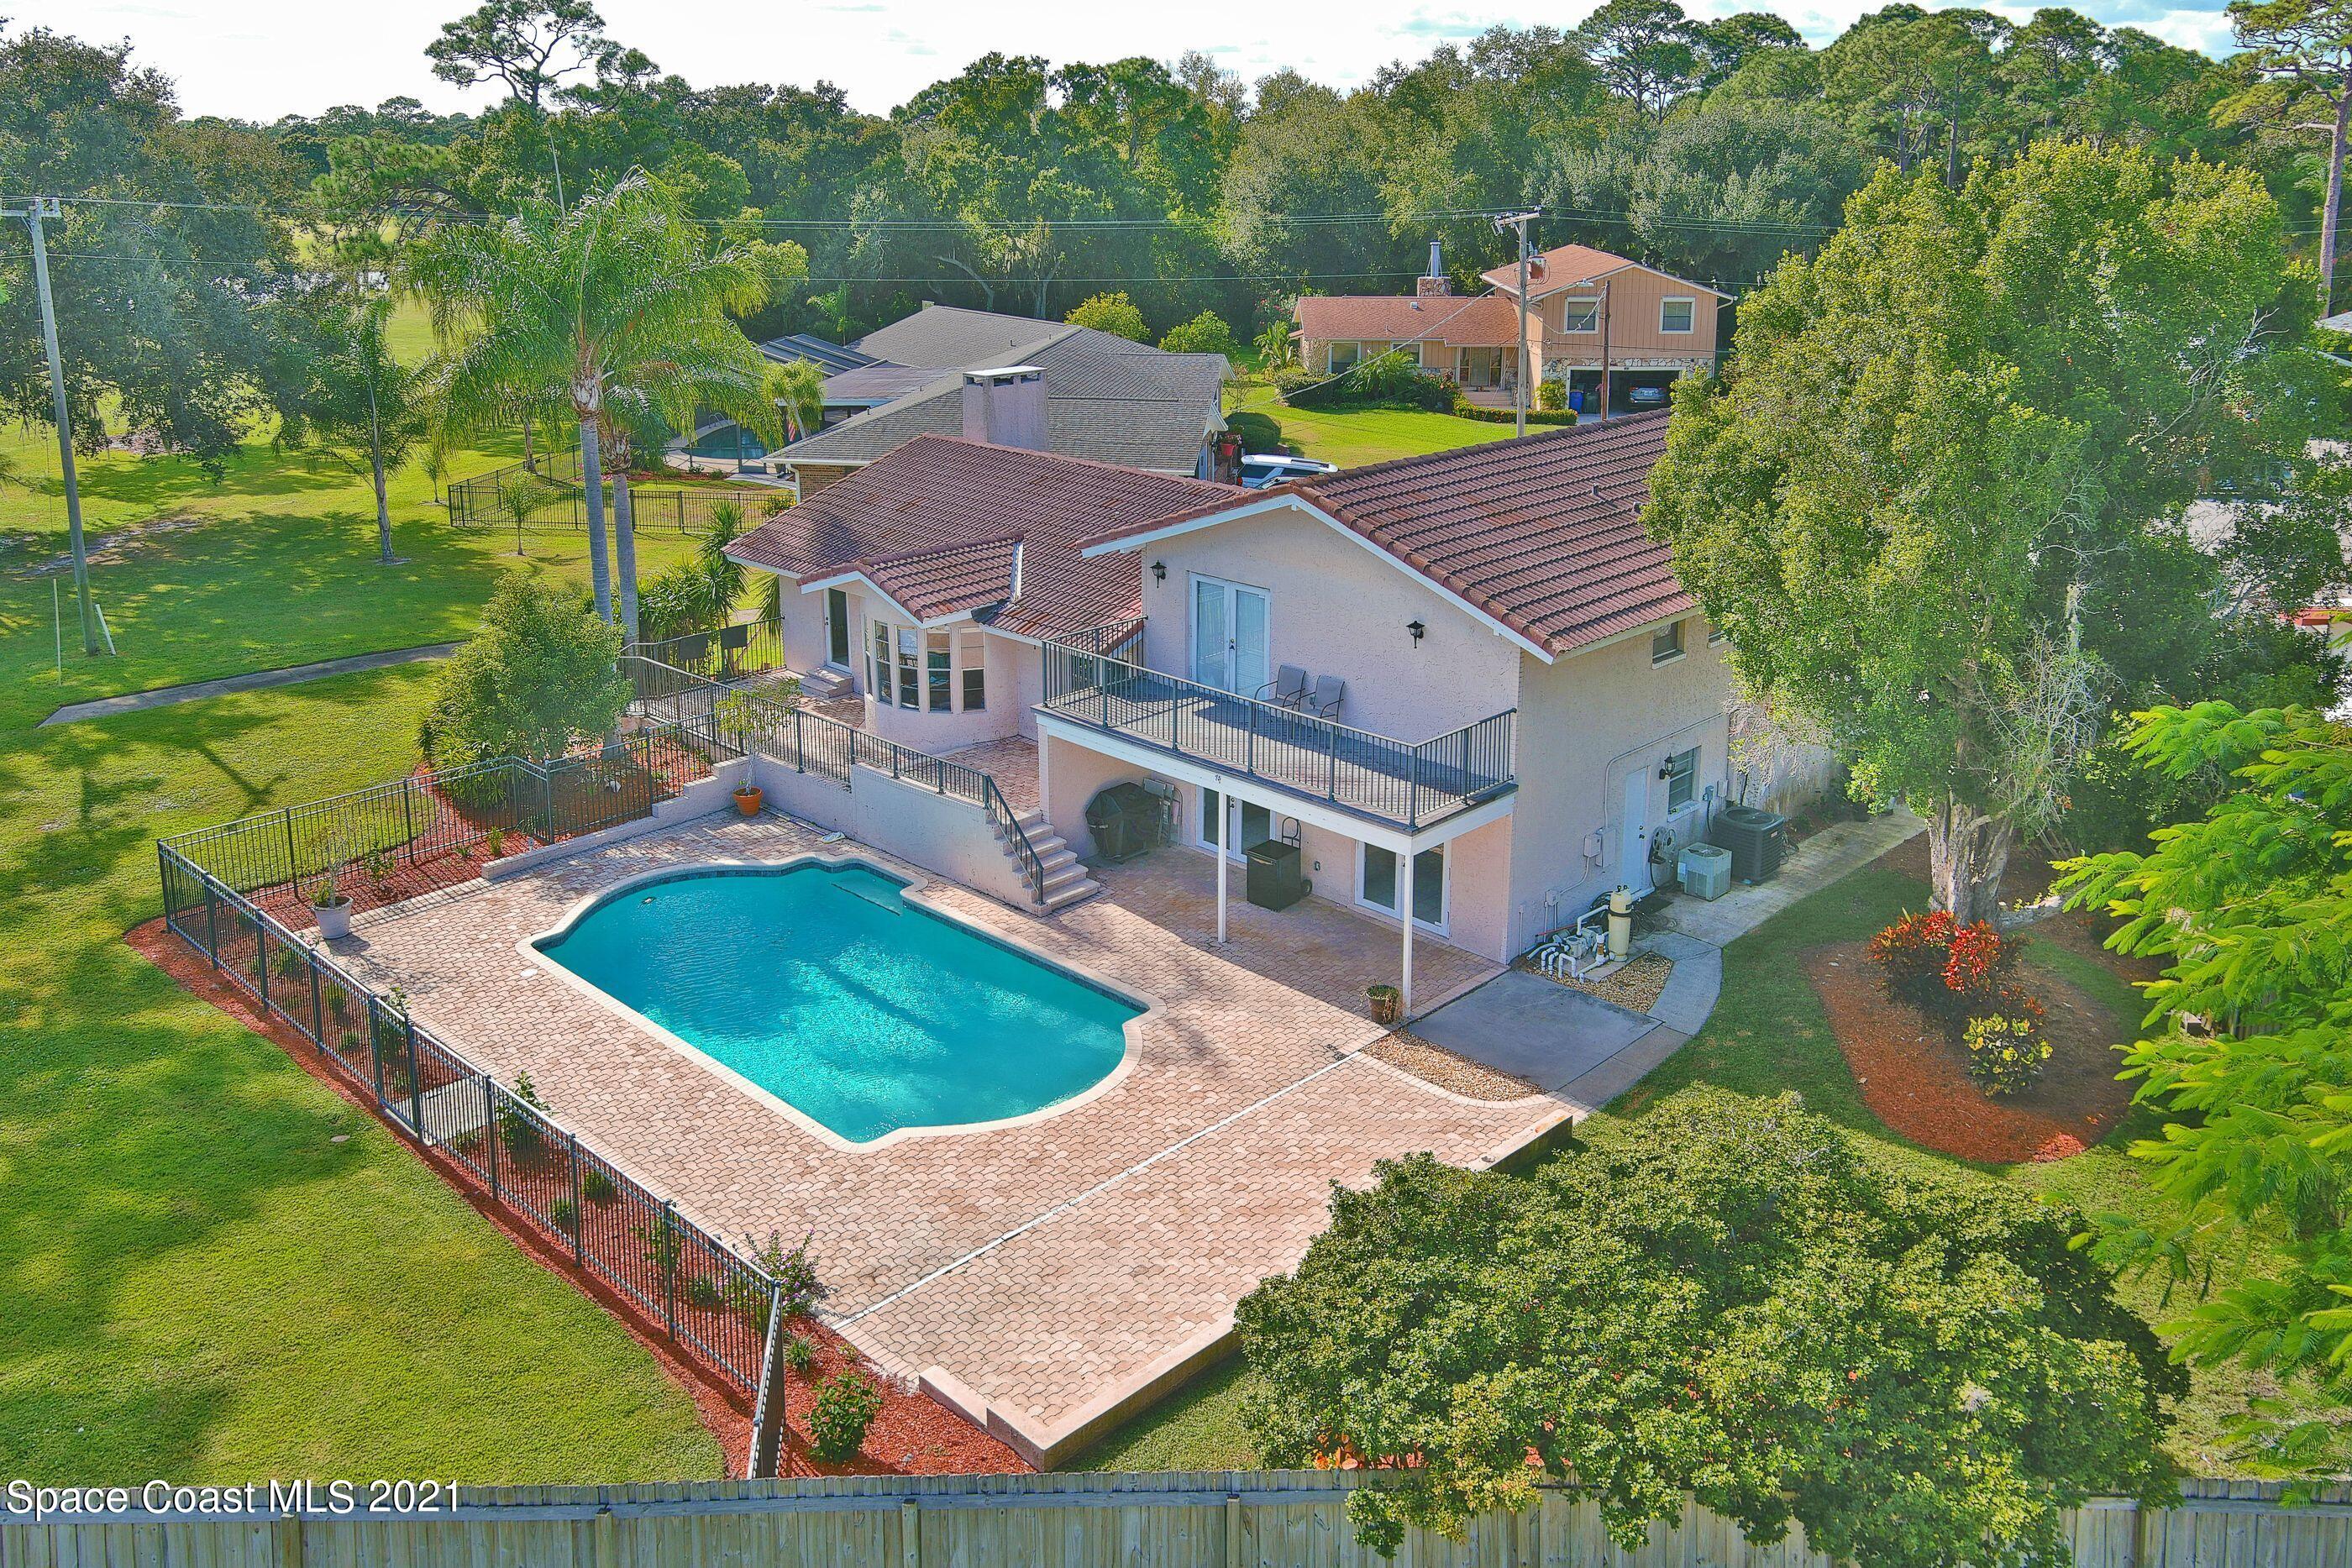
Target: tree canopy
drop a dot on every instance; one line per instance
(1727, 1298)
(538, 676)
(1937, 501)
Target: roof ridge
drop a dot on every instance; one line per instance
(942, 547)
(1209, 486)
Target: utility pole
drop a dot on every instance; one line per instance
(1519, 222)
(33, 211)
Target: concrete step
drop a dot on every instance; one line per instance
(1062, 875)
(1058, 899)
(824, 685)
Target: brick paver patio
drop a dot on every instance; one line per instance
(1046, 1265)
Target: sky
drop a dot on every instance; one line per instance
(258, 59)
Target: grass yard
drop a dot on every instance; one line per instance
(1769, 1035)
(212, 1268)
(1351, 437)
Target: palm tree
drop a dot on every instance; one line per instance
(616, 296)
(797, 389)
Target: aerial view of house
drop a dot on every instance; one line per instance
(800, 790)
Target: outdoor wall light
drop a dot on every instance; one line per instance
(1417, 629)
(1159, 572)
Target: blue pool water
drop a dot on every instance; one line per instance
(823, 987)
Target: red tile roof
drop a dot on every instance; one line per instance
(1543, 533)
(939, 523)
(1566, 265)
(1480, 322)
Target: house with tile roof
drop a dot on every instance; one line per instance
(1465, 690)
(1589, 310)
(1106, 398)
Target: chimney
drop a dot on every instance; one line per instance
(1005, 407)
(1436, 282)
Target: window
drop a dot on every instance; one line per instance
(1376, 883)
(1716, 636)
(1681, 769)
(1666, 644)
(1343, 357)
(972, 653)
(910, 692)
(1579, 315)
(1676, 315)
(938, 674)
(877, 665)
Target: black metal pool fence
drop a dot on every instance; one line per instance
(548, 497)
(712, 1302)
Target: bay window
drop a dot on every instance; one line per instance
(927, 672)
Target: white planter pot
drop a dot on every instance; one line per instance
(334, 920)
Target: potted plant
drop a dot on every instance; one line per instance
(748, 797)
(330, 909)
(1388, 1003)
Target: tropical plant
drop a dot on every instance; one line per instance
(1276, 348)
(519, 497)
(538, 676)
(1727, 1298)
(797, 389)
(844, 1407)
(799, 1353)
(2247, 1052)
(2006, 1053)
(614, 305)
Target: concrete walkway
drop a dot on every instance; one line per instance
(258, 681)
(1837, 851)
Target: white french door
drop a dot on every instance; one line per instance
(1229, 635)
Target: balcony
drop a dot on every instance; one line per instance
(1398, 783)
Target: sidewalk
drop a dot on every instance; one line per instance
(256, 681)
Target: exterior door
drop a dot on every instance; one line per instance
(1633, 859)
(836, 628)
(1230, 641)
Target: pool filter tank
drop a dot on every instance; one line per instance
(1621, 922)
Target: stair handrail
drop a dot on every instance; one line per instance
(1001, 813)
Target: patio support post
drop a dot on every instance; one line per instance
(1404, 909)
(1224, 805)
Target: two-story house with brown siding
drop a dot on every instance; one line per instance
(1594, 313)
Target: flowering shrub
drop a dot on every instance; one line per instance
(844, 1407)
(2006, 1054)
(1946, 970)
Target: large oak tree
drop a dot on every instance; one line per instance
(1941, 490)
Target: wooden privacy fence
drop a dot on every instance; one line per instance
(1190, 1520)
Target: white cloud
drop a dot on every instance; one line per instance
(295, 57)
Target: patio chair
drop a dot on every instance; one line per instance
(1324, 701)
(1288, 689)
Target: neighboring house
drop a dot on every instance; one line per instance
(1590, 309)
(1473, 340)
(1521, 708)
(1106, 399)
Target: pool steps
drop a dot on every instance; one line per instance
(1067, 881)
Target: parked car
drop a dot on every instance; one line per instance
(1260, 469)
(1647, 397)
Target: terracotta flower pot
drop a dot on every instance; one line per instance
(748, 799)
(1388, 1003)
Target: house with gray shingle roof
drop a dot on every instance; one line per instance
(1106, 398)
(1464, 686)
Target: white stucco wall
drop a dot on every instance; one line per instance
(1587, 723)
(1334, 607)
(935, 832)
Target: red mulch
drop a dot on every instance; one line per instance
(913, 1435)
(1914, 1076)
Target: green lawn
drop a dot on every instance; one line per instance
(1769, 1035)
(197, 1279)
(1352, 437)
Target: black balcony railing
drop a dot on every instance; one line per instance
(1405, 784)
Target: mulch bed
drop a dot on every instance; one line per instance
(913, 1435)
(1913, 1077)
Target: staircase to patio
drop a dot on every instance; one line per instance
(1066, 881)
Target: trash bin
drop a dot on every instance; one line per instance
(1273, 881)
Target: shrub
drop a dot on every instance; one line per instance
(1392, 380)
(1551, 394)
(290, 963)
(1112, 313)
(537, 676)
(845, 1406)
(2006, 1054)
(518, 1130)
(793, 1269)
(1203, 334)
(337, 1000)
(702, 1292)
(1911, 955)
(665, 1241)
(566, 1212)
(1952, 973)
(596, 1187)
(494, 843)
(800, 1353)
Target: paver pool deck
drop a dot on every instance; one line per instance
(1054, 1271)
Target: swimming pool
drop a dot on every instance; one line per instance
(821, 985)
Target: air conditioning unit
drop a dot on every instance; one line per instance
(1705, 870)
